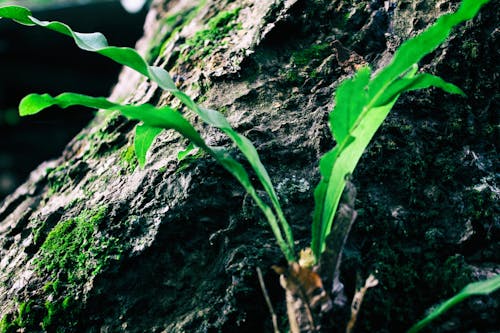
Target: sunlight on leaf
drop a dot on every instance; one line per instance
(361, 105)
(476, 288)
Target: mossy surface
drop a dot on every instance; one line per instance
(73, 251)
(304, 63)
(172, 24)
(57, 178)
(218, 27)
(128, 159)
(21, 320)
(316, 51)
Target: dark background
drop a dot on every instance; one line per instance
(36, 60)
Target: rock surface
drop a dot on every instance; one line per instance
(93, 243)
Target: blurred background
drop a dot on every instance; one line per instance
(36, 60)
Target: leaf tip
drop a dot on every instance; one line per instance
(32, 104)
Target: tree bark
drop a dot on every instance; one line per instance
(93, 243)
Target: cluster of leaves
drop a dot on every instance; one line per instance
(361, 105)
(154, 120)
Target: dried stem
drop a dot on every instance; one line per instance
(370, 282)
(268, 301)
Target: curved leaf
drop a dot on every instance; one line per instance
(361, 106)
(143, 139)
(476, 288)
(96, 42)
(154, 120)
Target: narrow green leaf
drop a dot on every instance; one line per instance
(420, 81)
(361, 106)
(163, 78)
(350, 98)
(96, 42)
(181, 155)
(144, 138)
(19, 14)
(35, 103)
(93, 42)
(164, 117)
(475, 288)
(413, 50)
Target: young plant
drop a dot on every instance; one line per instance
(154, 120)
(361, 105)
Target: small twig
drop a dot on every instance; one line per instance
(357, 300)
(268, 301)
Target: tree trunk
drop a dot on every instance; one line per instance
(93, 243)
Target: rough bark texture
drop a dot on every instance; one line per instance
(93, 243)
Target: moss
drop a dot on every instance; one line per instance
(293, 77)
(128, 159)
(218, 27)
(73, 251)
(304, 62)
(6, 326)
(52, 310)
(59, 316)
(52, 287)
(23, 314)
(21, 320)
(57, 178)
(106, 138)
(304, 57)
(174, 24)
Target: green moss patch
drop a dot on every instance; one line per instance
(128, 159)
(218, 27)
(20, 320)
(316, 51)
(304, 63)
(73, 250)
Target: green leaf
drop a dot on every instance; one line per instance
(164, 117)
(144, 138)
(156, 119)
(420, 81)
(96, 42)
(347, 109)
(413, 50)
(476, 288)
(93, 42)
(361, 105)
(190, 149)
(16, 13)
